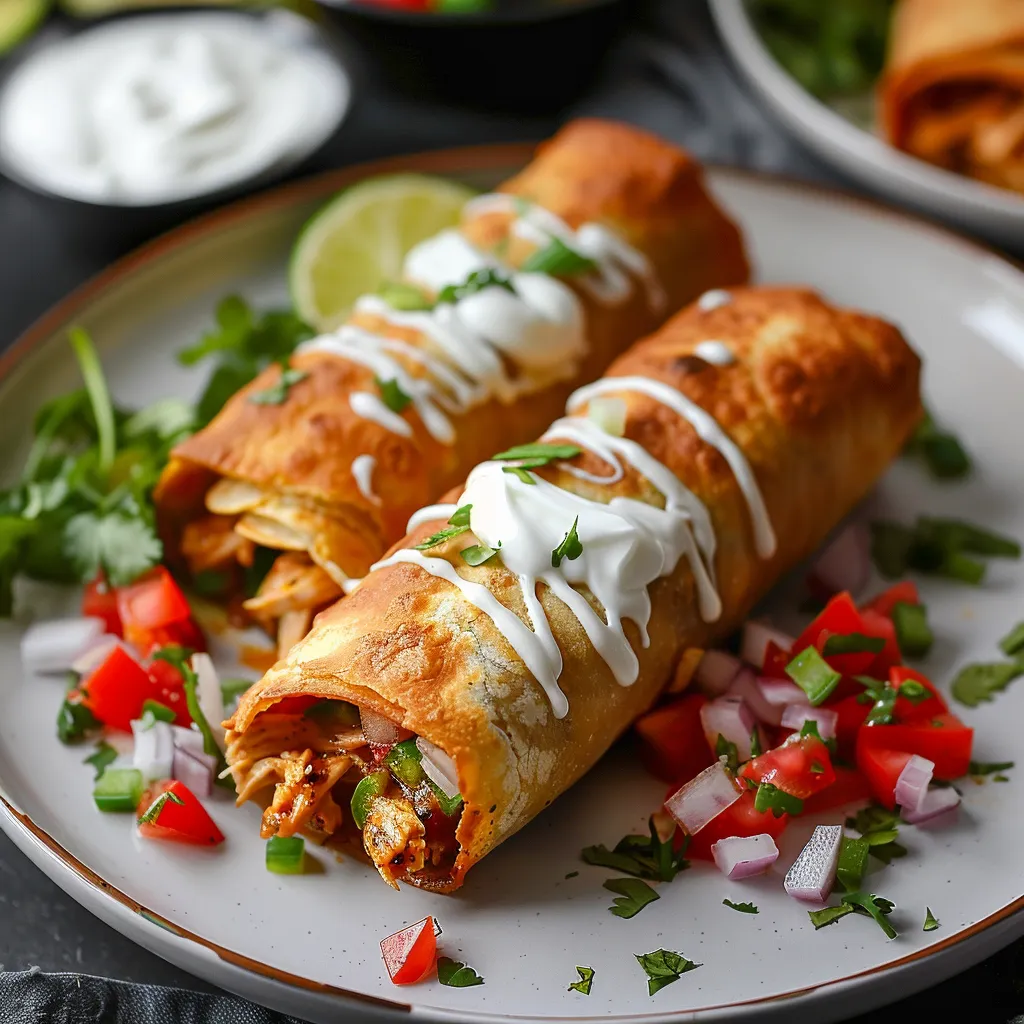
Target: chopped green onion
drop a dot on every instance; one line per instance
(440, 537)
(963, 536)
(941, 451)
(852, 643)
(914, 691)
(99, 396)
(1013, 643)
(404, 761)
(74, 721)
(931, 922)
(477, 554)
(519, 472)
(460, 517)
(890, 547)
(369, 788)
(853, 859)
(828, 915)
(405, 297)
(153, 811)
(539, 450)
(755, 742)
(392, 395)
(558, 259)
(286, 855)
(913, 634)
(156, 712)
(570, 548)
(118, 789)
(980, 768)
(813, 675)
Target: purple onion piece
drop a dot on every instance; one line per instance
(731, 718)
(845, 564)
(743, 856)
(715, 672)
(814, 872)
(756, 637)
(935, 802)
(194, 770)
(912, 785)
(795, 715)
(703, 798)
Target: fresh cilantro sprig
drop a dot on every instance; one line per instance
(633, 895)
(642, 856)
(867, 904)
(663, 967)
(880, 828)
(456, 974)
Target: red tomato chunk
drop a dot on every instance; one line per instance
(410, 954)
(184, 822)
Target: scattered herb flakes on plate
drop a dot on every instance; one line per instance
(585, 983)
(977, 683)
(662, 967)
(633, 895)
(931, 922)
(743, 908)
(456, 974)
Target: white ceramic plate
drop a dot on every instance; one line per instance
(308, 944)
(841, 138)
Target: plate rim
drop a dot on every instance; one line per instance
(825, 131)
(70, 872)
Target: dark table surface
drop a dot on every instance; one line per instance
(48, 247)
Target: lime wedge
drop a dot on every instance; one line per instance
(358, 241)
(18, 19)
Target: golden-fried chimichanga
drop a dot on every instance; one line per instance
(476, 673)
(953, 88)
(596, 242)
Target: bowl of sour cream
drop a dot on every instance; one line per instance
(155, 109)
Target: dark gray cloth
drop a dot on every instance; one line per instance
(667, 73)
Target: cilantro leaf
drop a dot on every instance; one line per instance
(558, 259)
(770, 798)
(278, 392)
(980, 768)
(586, 981)
(727, 749)
(103, 755)
(460, 517)
(475, 282)
(570, 547)
(74, 721)
(456, 974)
(440, 537)
(977, 683)
(874, 906)
(879, 827)
(743, 908)
(392, 395)
(643, 856)
(931, 922)
(477, 554)
(634, 895)
(123, 548)
(662, 967)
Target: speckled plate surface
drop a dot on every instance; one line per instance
(308, 944)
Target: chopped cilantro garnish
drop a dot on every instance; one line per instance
(879, 827)
(980, 682)
(663, 967)
(941, 451)
(828, 915)
(727, 749)
(931, 922)
(813, 675)
(119, 544)
(103, 755)
(755, 742)
(392, 395)
(460, 517)
(520, 472)
(852, 643)
(874, 906)
(980, 768)
(1013, 643)
(405, 297)
(99, 397)
(570, 548)
(440, 537)
(540, 453)
(770, 798)
(75, 721)
(633, 895)
(1000, 778)
(586, 981)
(743, 908)
(154, 809)
(477, 554)
(230, 689)
(643, 856)
(853, 859)
(477, 281)
(558, 259)
(277, 393)
(456, 974)
(154, 711)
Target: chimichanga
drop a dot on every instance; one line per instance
(607, 232)
(495, 655)
(953, 88)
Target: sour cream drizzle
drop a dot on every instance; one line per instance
(714, 299)
(715, 352)
(362, 469)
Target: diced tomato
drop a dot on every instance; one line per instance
(876, 624)
(100, 601)
(851, 714)
(184, 822)
(152, 603)
(840, 616)
(800, 767)
(117, 689)
(882, 769)
(943, 739)
(883, 604)
(672, 744)
(849, 787)
(741, 819)
(410, 954)
(183, 634)
(775, 661)
(169, 690)
(906, 710)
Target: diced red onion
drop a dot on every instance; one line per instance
(96, 653)
(209, 696)
(796, 714)
(154, 750)
(935, 802)
(742, 856)
(194, 769)
(912, 785)
(189, 740)
(377, 729)
(745, 686)
(703, 798)
(716, 671)
(779, 694)
(756, 637)
(731, 718)
(845, 564)
(440, 768)
(814, 872)
(55, 645)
